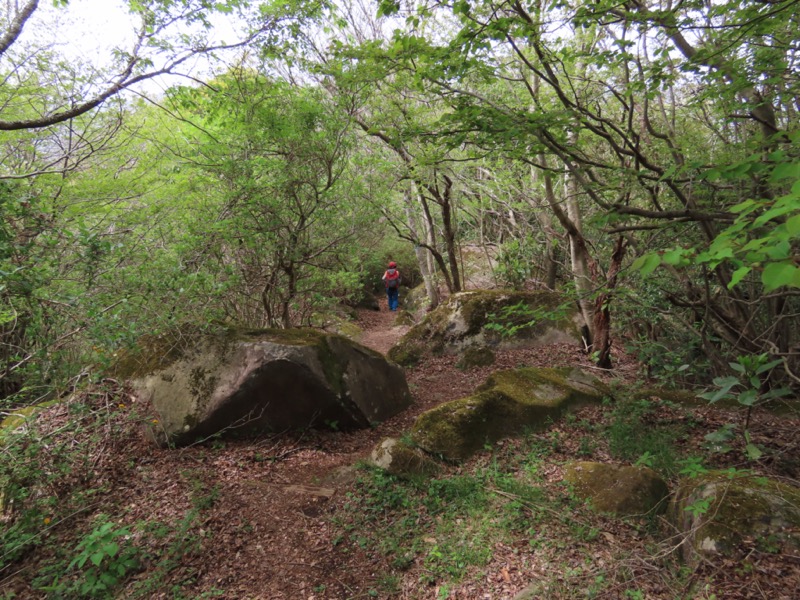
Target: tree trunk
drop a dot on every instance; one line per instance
(422, 255)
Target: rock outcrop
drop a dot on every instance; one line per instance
(508, 403)
(720, 511)
(504, 319)
(622, 490)
(245, 383)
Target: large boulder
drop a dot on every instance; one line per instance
(508, 403)
(724, 513)
(245, 383)
(504, 319)
(622, 490)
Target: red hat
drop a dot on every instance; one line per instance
(392, 265)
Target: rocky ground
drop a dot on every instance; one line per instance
(255, 519)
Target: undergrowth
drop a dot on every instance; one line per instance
(447, 532)
(62, 534)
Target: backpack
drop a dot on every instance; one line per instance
(392, 279)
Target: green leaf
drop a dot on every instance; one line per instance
(753, 452)
(769, 366)
(743, 207)
(723, 434)
(775, 211)
(646, 264)
(780, 274)
(674, 257)
(111, 549)
(736, 367)
(97, 558)
(785, 171)
(793, 225)
(738, 275)
(387, 8)
(748, 398)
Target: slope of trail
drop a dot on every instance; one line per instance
(380, 330)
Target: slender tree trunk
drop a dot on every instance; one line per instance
(602, 313)
(546, 223)
(422, 255)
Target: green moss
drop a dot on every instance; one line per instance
(349, 330)
(399, 458)
(476, 357)
(618, 489)
(546, 385)
(406, 354)
(19, 416)
(507, 404)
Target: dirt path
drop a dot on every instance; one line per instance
(380, 330)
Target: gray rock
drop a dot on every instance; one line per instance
(494, 319)
(246, 383)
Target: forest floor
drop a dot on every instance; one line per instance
(268, 519)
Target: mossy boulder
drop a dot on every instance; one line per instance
(721, 513)
(242, 383)
(622, 490)
(399, 458)
(475, 356)
(493, 318)
(508, 403)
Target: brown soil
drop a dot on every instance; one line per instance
(266, 530)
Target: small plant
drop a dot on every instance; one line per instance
(518, 317)
(103, 559)
(749, 388)
(692, 467)
(699, 507)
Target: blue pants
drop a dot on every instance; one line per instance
(392, 294)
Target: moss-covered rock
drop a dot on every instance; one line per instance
(495, 318)
(508, 403)
(618, 489)
(475, 356)
(247, 382)
(398, 458)
(720, 511)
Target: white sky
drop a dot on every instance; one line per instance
(89, 30)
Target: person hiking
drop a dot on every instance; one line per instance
(391, 279)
